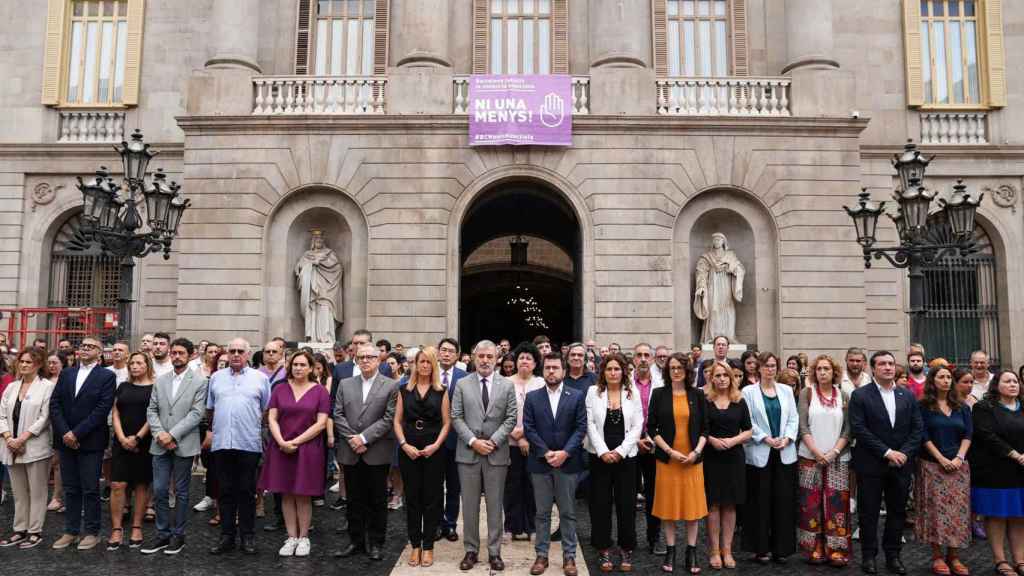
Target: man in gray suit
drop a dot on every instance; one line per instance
(176, 406)
(364, 412)
(483, 414)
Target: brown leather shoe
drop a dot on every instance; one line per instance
(539, 566)
(569, 567)
(468, 561)
(428, 559)
(496, 563)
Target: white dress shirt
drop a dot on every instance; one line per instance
(889, 399)
(367, 385)
(553, 397)
(83, 372)
(979, 388)
(176, 383)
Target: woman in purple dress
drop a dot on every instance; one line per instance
(294, 462)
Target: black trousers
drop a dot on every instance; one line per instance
(366, 487)
(452, 489)
(520, 507)
(237, 474)
(894, 488)
(612, 486)
(211, 484)
(424, 499)
(647, 465)
(769, 515)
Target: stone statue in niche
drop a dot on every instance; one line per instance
(719, 289)
(318, 274)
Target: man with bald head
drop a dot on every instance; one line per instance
(238, 395)
(483, 415)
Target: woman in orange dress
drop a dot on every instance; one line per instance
(677, 421)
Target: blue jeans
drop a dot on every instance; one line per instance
(166, 467)
(80, 474)
(452, 491)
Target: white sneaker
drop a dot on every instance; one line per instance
(335, 487)
(289, 547)
(205, 504)
(853, 506)
(302, 549)
(171, 500)
(856, 534)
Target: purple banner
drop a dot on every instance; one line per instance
(532, 110)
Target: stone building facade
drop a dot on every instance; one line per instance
(757, 118)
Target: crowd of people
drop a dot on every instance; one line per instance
(785, 453)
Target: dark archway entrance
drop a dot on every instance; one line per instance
(519, 247)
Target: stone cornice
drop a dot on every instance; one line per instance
(987, 152)
(459, 124)
(64, 152)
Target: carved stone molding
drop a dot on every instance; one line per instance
(1004, 195)
(44, 193)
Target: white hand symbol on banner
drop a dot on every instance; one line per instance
(552, 112)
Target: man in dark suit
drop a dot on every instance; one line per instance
(347, 369)
(447, 355)
(555, 423)
(886, 426)
(364, 413)
(78, 412)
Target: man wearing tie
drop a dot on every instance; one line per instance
(447, 355)
(78, 411)
(555, 423)
(483, 414)
(364, 413)
(886, 425)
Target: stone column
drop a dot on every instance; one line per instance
(621, 66)
(224, 86)
(420, 71)
(234, 34)
(819, 87)
(809, 41)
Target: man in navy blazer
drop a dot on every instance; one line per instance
(555, 423)
(447, 355)
(79, 407)
(886, 426)
(347, 369)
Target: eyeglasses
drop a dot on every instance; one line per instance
(236, 351)
(87, 346)
(366, 357)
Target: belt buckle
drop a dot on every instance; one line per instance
(418, 424)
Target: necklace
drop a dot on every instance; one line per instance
(829, 401)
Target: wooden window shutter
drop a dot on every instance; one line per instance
(659, 26)
(912, 48)
(303, 30)
(133, 51)
(481, 36)
(559, 36)
(54, 51)
(740, 50)
(995, 53)
(381, 25)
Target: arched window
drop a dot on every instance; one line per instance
(80, 274)
(961, 300)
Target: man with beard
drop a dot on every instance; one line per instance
(161, 354)
(644, 382)
(915, 372)
(854, 377)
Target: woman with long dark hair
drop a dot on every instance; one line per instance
(751, 367)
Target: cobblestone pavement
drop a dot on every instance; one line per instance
(195, 560)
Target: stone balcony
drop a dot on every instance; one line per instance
(91, 126)
(287, 95)
(731, 96)
(954, 128)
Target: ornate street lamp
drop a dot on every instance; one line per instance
(111, 217)
(916, 248)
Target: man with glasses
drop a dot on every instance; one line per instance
(347, 369)
(364, 413)
(660, 360)
(447, 355)
(161, 354)
(235, 404)
(78, 413)
(644, 382)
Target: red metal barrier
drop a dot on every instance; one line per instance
(23, 325)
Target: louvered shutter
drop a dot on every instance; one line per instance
(995, 53)
(481, 34)
(560, 36)
(912, 51)
(303, 37)
(133, 51)
(381, 20)
(659, 25)
(52, 56)
(740, 52)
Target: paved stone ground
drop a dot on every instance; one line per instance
(194, 560)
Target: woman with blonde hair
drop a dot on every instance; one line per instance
(724, 467)
(132, 464)
(422, 422)
(823, 526)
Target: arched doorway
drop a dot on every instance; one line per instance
(80, 274)
(520, 265)
(961, 299)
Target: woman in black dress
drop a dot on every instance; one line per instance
(724, 465)
(422, 421)
(132, 464)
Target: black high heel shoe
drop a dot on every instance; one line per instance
(690, 560)
(668, 566)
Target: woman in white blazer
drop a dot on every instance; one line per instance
(26, 447)
(615, 421)
(769, 516)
